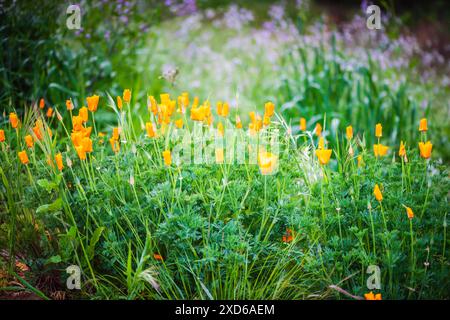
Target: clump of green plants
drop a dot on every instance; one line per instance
(302, 223)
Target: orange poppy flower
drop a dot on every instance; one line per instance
(321, 144)
(288, 236)
(2, 135)
(377, 193)
(116, 133)
(87, 144)
(349, 132)
(302, 124)
(92, 103)
(157, 257)
(150, 130)
(80, 152)
(179, 123)
(267, 162)
(360, 160)
(371, 296)
(127, 95)
(225, 109)
(59, 161)
(269, 109)
(83, 113)
(14, 120)
(402, 149)
(380, 150)
(378, 130)
(266, 120)
(49, 112)
(37, 129)
(29, 141)
(119, 103)
(77, 123)
(69, 105)
(23, 157)
(220, 128)
(238, 122)
(323, 155)
(409, 212)
(42, 103)
(115, 145)
(423, 125)
(425, 149)
(318, 129)
(167, 157)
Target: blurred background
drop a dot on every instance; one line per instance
(314, 59)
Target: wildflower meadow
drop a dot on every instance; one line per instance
(220, 150)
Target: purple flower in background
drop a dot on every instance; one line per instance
(79, 32)
(364, 5)
(182, 8)
(124, 19)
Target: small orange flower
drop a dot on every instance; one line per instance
(127, 95)
(116, 133)
(77, 123)
(179, 123)
(321, 144)
(76, 137)
(83, 113)
(238, 122)
(115, 145)
(323, 155)
(69, 105)
(92, 103)
(185, 99)
(269, 109)
(49, 112)
(59, 161)
(225, 109)
(119, 103)
(157, 257)
(81, 153)
(288, 236)
(378, 130)
(377, 193)
(318, 129)
(409, 212)
(380, 150)
(29, 141)
(267, 162)
(150, 130)
(360, 160)
(425, 149)
(349, 132)
(302, 124)
(252, 116)
(87, 144)
(42, 103)
(167, 157)
(37, 129)
(219, 155)
(23, 157)
(423, 125)
(402, 149)
(2, 135)
(220, 128)
(266, 120)
(371, 296)
(14, 120)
